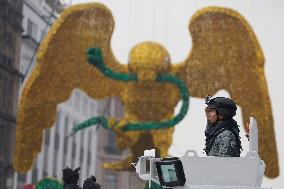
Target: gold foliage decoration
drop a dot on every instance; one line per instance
(225, 55)
(61, 67)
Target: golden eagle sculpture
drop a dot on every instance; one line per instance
(225, 54)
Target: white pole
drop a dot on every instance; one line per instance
(253, 136)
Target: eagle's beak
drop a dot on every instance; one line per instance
(147, 75)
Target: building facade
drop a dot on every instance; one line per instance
(59, 149)
(89, 148)
(10, 39)
(108, 152)
(38, 16)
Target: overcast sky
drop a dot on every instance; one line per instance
(166, 22)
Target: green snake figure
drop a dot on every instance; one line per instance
(147, 128)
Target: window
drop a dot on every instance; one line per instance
(74, 148)
(89, 140)
(70, 101)
(7, 155)
(45, 159)
(56, 143)
(26, 57)
(110, 148)
(89, 151)
(32, 29)
(81, 154)
(65, 145)
(4, 59)
(82, 146)
(2, 139)
(89, 161)
(5, 134)
(111, 138)
(45, 174)
(10, 40)
(57, 121)
(77, 101)
(7, 60)
(111, 181)
(43, 33)
(1, 56)
(1, 88)
(21, 181)
(56, 140)
(65, 134)
(34, 175)
(10, 88)
(85, 106)
(55, 163)
(47, 137)
(5, 92)
(93, 109)
(82, 138)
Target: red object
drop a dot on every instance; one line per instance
(29, 186)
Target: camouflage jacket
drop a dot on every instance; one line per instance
(223, 139)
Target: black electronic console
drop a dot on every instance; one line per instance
(170, 172)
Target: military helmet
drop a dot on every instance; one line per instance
(222, 105)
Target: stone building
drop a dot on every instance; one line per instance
(58, 150)
(38, 16)
(108, 152)
(10, 41)
(89, 148)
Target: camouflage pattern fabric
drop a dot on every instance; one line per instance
(222, 139)
(225, 145)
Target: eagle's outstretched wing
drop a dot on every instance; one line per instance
(61, 67)
(226, 55)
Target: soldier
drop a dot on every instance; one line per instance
(222, 131)
(71, 178)
(90, 183)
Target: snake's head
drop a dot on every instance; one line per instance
(95, 57)
(147, 60)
